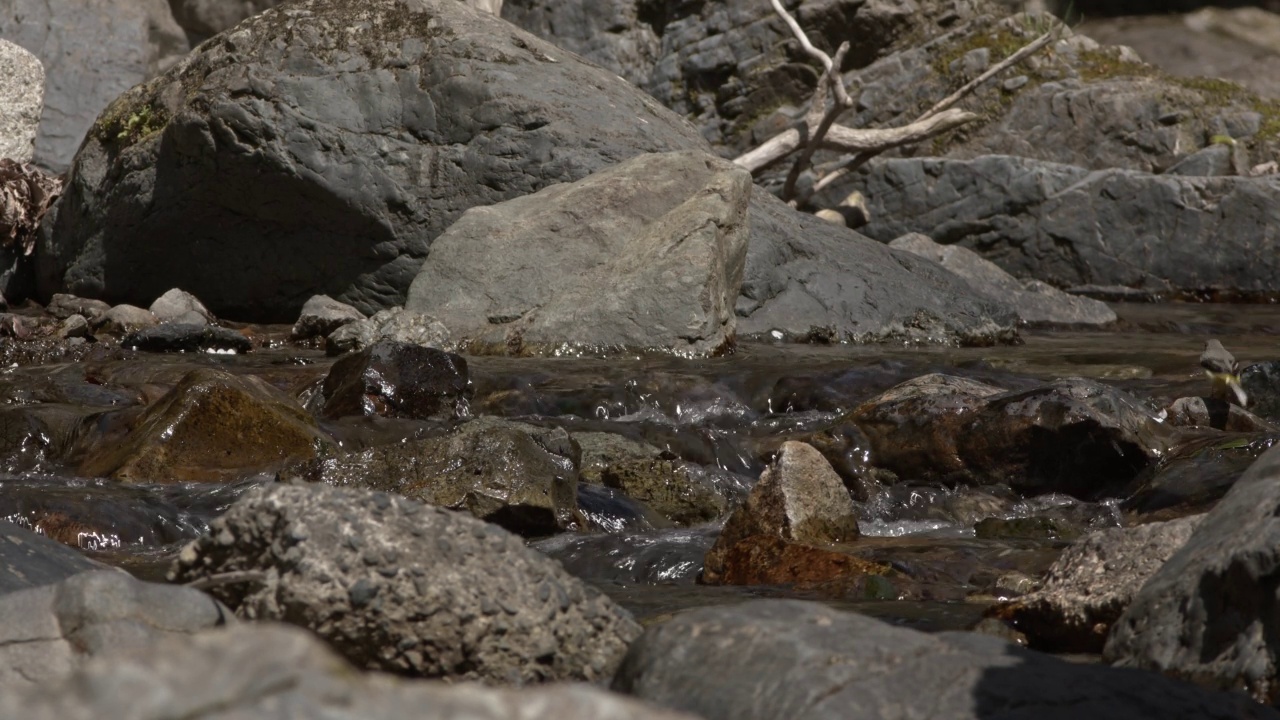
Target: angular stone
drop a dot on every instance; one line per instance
(29, 559)
(677, 490)
(123, 319)
(63, 306)
(397, 379)
(322, 315)
(176, 306)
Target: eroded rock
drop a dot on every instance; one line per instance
(397, 379)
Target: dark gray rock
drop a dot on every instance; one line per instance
(269, 671)
(1208, 615)
(92, 51)
(1261, 382)
(396, 586)
(1193, 476)
(1068, 226)
(646, 256)
(618, 35)
(50, 630)
(28, 559)
(1217, 159)
(292, 144)
(322, 315)
(807, 279)
(397, 379)
(187, 337)
(768, 660)
(1092, 583)
(178, 306)
(519, 476)
(1036, 303)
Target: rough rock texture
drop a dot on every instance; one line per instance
(679, 491)
(21, 101)
(1208, 615)
(62, 305)
(396, 379)
(29, 559)
(202, 19)
(602, 449)
(1193, 476)
(50, 630)
(644, 256)
(1036, 303)
(1091, 583)
(1262, 383)
(187, 337)
(1074, 436)
(396, 586)
(799, 499)
(123, 319)
(617, 35)
(212, 426)
(773, 659)
(807, 279)
(395, 324)
(92, 50)
(521, 477)
(322, 315)
(26, 194)
(1217, 414)
(268, 671)
(178, 306)
(297, 156)
(1069, 226)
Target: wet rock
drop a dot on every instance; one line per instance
(268, 670)
(1036, 303)
(521, 477)
(63, 306)
(677, 490)
(798, 499)
(50, 630)
(395, 324)
(395, 586)
(321, 315)
(177, 306)
(601, 449)
(1025, 528)
(122, 320)
(1195, 475)
(456, 109)
(187, 337)
(1206, 615)
(1208, 412)
(1261, 381)
(29, 559)
(794, 659)
(73, 326)
(607, 510)
(211, 427)
(1042, 220)
(1074, 436)
(92, 51)
(397, 379)
(657, 266)
(1091, 584)
(22, 97)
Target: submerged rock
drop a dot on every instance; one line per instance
(1194, 476)
(396, 586)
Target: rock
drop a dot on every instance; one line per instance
(1073, 436)
(807, 279)
(1041, 220)
(1261, 382)
(396, 379)
(602, 449)
(187, 337)
(799, 499)
(25, 196)
(92, 51)
(395, 324)
(356, 159)
(655, 264)
(677, 490)
(211, 427)
(73, 326)
(1217, 414)
(177, 306)
(63, 306)
(29, 559)
(272, 671)
(1216, 159)
(768, 659)
(619, 36)
(21, 101)
(521, 477)
(122, 320)
(50, 630)
(1203, 616)
(1091, 584)
(395, 586)
(1193, 477)
(322, 315)
(202, 19)
(1036, 303)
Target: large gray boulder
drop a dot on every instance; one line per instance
(645, 256)
(48, 631)
(305, 152)
(29, 559)
(1070, 226)
(770, 660)
(21, 101)
(394, 585)
(92, 51)
(1209, 613)
(269, 671)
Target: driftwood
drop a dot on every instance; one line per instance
(819, 131)
(25, 196)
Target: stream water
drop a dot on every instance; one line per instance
(724, 414)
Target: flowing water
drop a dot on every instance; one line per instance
(726, 414)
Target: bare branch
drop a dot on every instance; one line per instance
(819, 119)
(800, 36)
